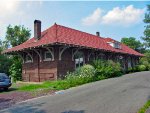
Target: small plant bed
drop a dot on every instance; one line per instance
(145, 108)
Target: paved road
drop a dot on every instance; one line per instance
(117, 95)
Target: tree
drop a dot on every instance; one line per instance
(5, 61)
(146, 20)
(133, 43)
(0, 46)
(15, 36)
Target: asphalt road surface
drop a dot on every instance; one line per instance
(124, 94)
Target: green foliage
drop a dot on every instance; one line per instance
(145, 107)
(106, 69)
(146, 37)
(5, 63)
(31, 87)
(82, 75)
(135, 68)
(86, 70)
(133, 43)
(16, 70)
(17, 35)
(9, 64)
(146, 60)
(142, 68)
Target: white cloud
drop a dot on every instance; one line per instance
(7, 9)
(15, 13)
(117, 16)
(94, 18)
(125, 16)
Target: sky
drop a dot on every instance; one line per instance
(115, 19)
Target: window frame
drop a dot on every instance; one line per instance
(47, 59)
(79, 58)
(27, 60)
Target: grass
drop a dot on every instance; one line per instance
(145, 107)
(52, 85)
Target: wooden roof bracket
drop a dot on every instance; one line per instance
(61, 50)
(74, 51)
(19, 54)
(29, 55)
(39, 54)
(90, 53)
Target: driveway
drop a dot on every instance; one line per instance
(124, 94)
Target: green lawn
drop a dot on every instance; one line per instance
(145, 107)
(51, 85)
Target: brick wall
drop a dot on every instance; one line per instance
(48, 70)
(65, 64)
(52, 70)
(39, 71)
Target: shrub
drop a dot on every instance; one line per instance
(86, 71)
(148, 67)
(106, 69)
(82, 75)
(146, 61)
(142, 68)
(130, 70)
(116, 69)
(15, 71)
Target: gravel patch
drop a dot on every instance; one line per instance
(7, 99)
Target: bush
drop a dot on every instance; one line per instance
(142, 68)
(82, 75)
(135, 69)
(15, 70)
(146, 61)
(130, 70)
(5, 63)
(86, 71)
(106, 69)
(148, 67)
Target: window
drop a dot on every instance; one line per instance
(116, 45)
(28, 59)
(47, 56)
(101, 56)
(121, 60)
(129, 62)
(92, 57)
(79, 59)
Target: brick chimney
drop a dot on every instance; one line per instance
(98, 34)
(37, 29)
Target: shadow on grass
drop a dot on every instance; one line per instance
(73, 111)
(25, 108)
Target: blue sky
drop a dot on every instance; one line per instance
(112, 19)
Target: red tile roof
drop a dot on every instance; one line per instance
(62, 34)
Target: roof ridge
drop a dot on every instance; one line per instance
(79, 31)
